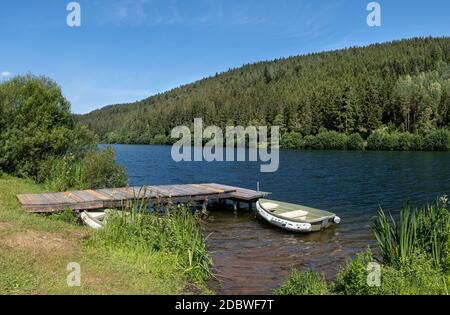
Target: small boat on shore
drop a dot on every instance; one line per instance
(94, 220)
(294, 217)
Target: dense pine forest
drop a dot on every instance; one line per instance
(394, 95)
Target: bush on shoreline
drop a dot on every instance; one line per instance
(40, 139)
(380, 140)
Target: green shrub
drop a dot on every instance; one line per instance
(160, 139)
(100, 170)
(381, 140)
(36, 124)
(438, 140)
(409, 142)
(391, 141)
(303, 283)
(355, 142)
(326, 140)
(332, 140)
(40, 139)
(312, 143)
(61, 174)
(291, 141)
(352, 278)
(376, 141)
(415, 277)
(433, 233)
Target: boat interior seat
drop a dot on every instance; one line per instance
(298, 214)
(269, 206)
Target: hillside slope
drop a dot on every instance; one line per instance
(403, 83)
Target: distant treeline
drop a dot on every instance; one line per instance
(381, 140)
(398, 92)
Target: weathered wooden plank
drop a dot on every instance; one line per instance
(99, 195)
(106, 198)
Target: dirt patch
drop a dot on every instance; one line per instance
(38, 241)
(4, 226)
(81, 235)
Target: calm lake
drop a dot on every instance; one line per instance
(251, 257)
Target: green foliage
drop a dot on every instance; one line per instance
(312, 143)
(66, 216)
(415, 277)
(438, 140)
(377, 140)
(326, 140)
(384, 140)
(355, 142)
(36, 124)
(160, 139)
(433, 233)
(40, 139)
(396, 240)
(61, 173)
(404, 84)
(409, 142)
(303, 283)
(176, 231)
(425, 230)
(291, 141)
(352, 278)
(332, 140)
(97, 169)
(100, 170)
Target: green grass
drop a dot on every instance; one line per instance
(176, 231)
(303, 283)
(36, 249)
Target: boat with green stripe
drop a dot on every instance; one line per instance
(296, 218)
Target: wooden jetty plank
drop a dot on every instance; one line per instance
(105, 198)
(98, 194)
(243, 194)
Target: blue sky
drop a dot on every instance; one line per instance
(127, 50)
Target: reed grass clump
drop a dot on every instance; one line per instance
(172, 229)
(424, 230)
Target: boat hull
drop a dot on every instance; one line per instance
(295, 226)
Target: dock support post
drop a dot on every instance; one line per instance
(250, 207)
(205, 205)
(236, 206)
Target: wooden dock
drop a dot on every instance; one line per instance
(116, 197)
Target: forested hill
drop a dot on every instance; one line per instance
(403, 84)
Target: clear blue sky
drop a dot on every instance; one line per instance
(126, 50)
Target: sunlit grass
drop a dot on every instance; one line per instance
(174, 230)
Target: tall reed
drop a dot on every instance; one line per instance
(426, 229)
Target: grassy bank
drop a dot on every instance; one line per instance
(36, 249)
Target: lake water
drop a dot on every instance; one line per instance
(251, 257)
